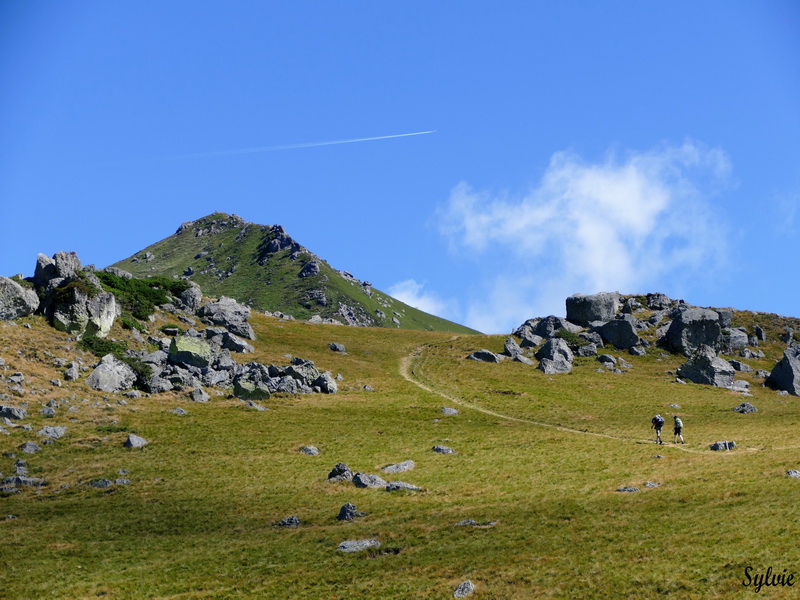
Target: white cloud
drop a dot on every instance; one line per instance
(410, 292)
(627, 224)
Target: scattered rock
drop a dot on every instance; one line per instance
(723, 446)
(341, 472)
(443, 449)
(336, 347)
(290, 522)
(364, 480)
(793, 473)
(395, 486)
(628, 489)
(464, 589)
(349, 512)
(745, 408)
(179, 411)
(349, 546)
(229, 314)
(692, 328)
(310, 450)
(11, 412)
(511, 348)
(52, 432)
(652, 484)
(621, 332)
(484, 356)
(16, 301)
(583, 309)
(406, 465)
(134, 441)
(446, 410)
(30, 448)
(199, 395)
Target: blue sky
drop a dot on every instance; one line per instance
(578, 146)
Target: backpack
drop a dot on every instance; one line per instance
(678, 423)
(658, 421)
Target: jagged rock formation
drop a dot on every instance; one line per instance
(786, 374)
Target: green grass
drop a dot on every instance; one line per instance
(231, 267)
(541, 455)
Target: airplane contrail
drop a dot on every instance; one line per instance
(292, 146)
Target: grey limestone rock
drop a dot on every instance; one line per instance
(446, 410)
(740, 366)
(350, 546)
(349, 512)
(364, 480)
(326, 383)
(558, 365)
(443, 449)
(230, 314)
(191, 351)
(337, 347)
(111, 375)
(12, 412)
(291, 522)
(406, 465)
(785, 376)
(179, 411)
(628, 489)
(134, 441)
(745, 408)
(621, 332)
(30, 448)
(692, 328)
(484, 356)
(723, 446)
(309, 269)
(15, 300)
(52, 432)
(310, 450)
(793, 473)
(199, 395)
(521, 358)
(707, 368)
(583, 309)
(511, 348)
(464, 589)
(340, 472)
(555, 348)
(396, 486)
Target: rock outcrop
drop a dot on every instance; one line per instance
(786, 374)
(692, 328)
(582, 309)
(16, 301)
(706, 367)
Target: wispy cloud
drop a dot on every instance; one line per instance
(411, 292)
(627, 223)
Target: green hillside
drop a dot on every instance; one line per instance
(260, 265)
(539, 461)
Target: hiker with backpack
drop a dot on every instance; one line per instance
(678, 430)
(657, 424)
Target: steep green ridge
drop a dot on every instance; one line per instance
(261, 266)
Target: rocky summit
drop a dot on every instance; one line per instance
(264, 268)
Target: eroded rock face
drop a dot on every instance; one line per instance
(620, 333)
(786, 374)
(582, 309)
(15, 300)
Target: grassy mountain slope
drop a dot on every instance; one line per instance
(540, 455)
(228, 256)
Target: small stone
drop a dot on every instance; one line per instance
(464, 589)
(364, 480)
(348, 512)
(793, 473)
(310, 450)
(291, 522)
(349, 546)
(341, 472)
(723, 446)
(446, 410)
(628, 489)
(30, 448)
(51, 432)
(179, 411)
(745, 408)
(651, 484)
(406, 465)
(443, 449)
(134, 441)
(396, 486)
(254, 405)
(198, 394)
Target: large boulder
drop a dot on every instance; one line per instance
(549, 326)
(582, 309)
(706, 367)
(191, 351)
(692, 328)
(190, 298)
(231, 315)
(15, 300)
(484, 356)
(83, 312)
(786, 374)
(111, 375)
(326, 383)
(620, 333)
(555, 357)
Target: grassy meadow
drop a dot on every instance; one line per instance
(541, 456)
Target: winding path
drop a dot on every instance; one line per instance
(410, 371)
